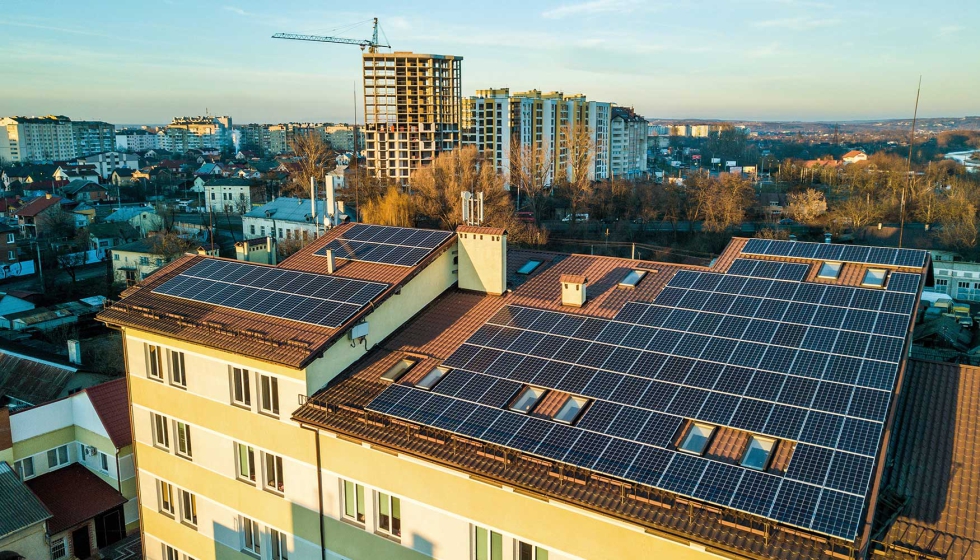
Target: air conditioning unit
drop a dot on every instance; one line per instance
(91, 451)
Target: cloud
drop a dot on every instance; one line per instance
(771, 49)
(797, 23)
(590, 8)
(239, 11)
(950, 29)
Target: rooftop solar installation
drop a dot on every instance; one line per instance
(385, 244)
(299, 296)
(813, 364)
(860, 254)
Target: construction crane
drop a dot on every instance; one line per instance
(372, 45)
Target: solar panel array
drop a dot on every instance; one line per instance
(299, 296)
(810, 363)
(861, 254)
(385, 244)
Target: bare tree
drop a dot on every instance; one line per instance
(806, 206)
(531, 170)
(855, 212)
(438, 188)
(395, 208)
(720, 203)
(575, 168)
(170, 245)
(314, 161)
(56, 223)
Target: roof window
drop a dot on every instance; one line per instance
(431, 378)
(570, 410)
(697, 438)
(874, 278)
(758, 453)
(830, 270)
(632, 279)
(398, 370)
(529, 267)
(527, 399)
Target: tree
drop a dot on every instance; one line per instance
(395, 208)
(575, 171)
(438, 188)
(314, 157)
(855, 212)
(805, 207)
(531, 169)
(170, 245)
(720, 203)
(56, 223)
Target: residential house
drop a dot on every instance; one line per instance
(83, 190)
(31, 216)
(288, 218)
(231, 195)
(106, 236)
(9, 244)
(133, 262)
(107, 162)
(854, 156)
(10, 305)
(125, 177)
(74, 172)
(9, 205)
(24, 523)
(210, 170)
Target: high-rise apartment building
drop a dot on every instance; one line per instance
(628, 144)
(412, 110)
(136, 140)
(36, 139)
(486, 124)
(93, 137)
(185, 133)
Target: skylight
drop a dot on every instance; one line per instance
(697, 438)
(570, 410)
(527, 399)
(874, 277)
(830, 270)
(398, 370)
(529, 267)
(632, 279)
(757, 455)
(431, 378)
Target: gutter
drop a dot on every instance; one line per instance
(319, 488)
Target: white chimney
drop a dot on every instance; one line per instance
(331, 265)
(75, 352)
(573, 290)
(331, 209)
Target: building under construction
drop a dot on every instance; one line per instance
(412, 108)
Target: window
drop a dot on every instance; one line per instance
(431, 378)
(183, 432)
(874, 277)
(353, 501)
(166, 495)
(251, 537)
(529, 267)
(188, 508)
(399, 369)
(527, 551)
(527, 398)
(632, 279)
(57, 456)
(269, 394)
(830, 270)
(942, 282)
(757, 455)
(570, 410)
(11, 255)
(697, 438)
(24, 468)
(279, 545)
(246, 462)
(154, 362)
(389, 514)
(241, 395)
(58, 549)
(487, 545)
(161, 434)
(273, 472)
(103, 462)
(177, 370)
(10, 238)
(963, 285)
(251, 229)
(170, 553)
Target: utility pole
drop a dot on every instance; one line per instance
(908, 179)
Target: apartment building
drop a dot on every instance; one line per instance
(36, 139)
(487, 125)
(137, 140)
(93, 137)
(628, 144)
(186, 133)
(412, 110)
(398, 393)
(107, 162)
(231, 194)
(287, 218)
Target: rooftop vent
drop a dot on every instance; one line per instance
(573, 290)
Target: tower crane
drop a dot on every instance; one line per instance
(372, 45)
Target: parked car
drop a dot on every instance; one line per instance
(578, 218)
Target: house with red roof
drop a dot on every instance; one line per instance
(854, 156)
(31, 215)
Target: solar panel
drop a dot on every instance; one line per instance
(913, 258)
(385, 244)
(287, 294)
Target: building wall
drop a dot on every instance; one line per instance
(959, 280)
(30, 542)
(253, 227)
(143, 263)
(36, 139)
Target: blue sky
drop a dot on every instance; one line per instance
(149, 60)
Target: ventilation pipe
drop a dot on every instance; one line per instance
(331, 265)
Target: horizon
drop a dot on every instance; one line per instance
(761, 61)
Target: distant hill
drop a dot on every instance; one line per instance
(936, 124)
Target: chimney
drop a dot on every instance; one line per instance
(573, 290)
(75, 352)
(331, 265)
(331, 209)
(482, 259)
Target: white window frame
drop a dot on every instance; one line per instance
(432, 378)
(571, 409)
(178, 368)
(632, 278)
(537, 552)
(760, 443)
(182, 440)
(21, 471)
(531, 396)
(834, 268)
(165, 499)
(272, 479)
(350, 489)
(58, 460)
(279, 545)
(268, 394)
(56, 545)
(188, 508)
(392, 504)
(103, 462)
(241, 387)
(251, 533)
(697, 428)
(154, 362)
(485, 552)
(875, 283)
(161, 427)
(245, 453)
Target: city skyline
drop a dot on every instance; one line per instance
(761, 60)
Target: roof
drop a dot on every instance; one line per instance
(285, 209)
(123, 172)
(229, 182)
(73, 494)
(145, 245)
(117, 230)
(573, 279)
(19, 507)
(111, 403)
(853, 153)
(127, 213)
(934, 461)
(78, 185)
(36, 206)
(481, 229)
(32, 380)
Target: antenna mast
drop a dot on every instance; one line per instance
(909, 177)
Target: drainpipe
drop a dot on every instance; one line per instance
(319, 489)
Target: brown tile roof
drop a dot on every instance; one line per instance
(36, 206)
(573, 279)
(934, 461)
(73, 494)
(481, 229)
(111, 403)
(6, 438)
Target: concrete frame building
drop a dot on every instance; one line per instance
(36, 139)
(412, 110)
(107, 162)
(628, 145)
(186, 133)
(93, 137)
(487, 125)
(137, 140)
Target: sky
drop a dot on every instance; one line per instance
(147, 61)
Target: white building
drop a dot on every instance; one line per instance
(288, 218)
(228, 195)
(959, 280)
(36, 139)
(136, 140)
(186, 133)
(628, 150)
(107, 162)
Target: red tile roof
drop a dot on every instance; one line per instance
(111, 403)
(73, 494)
(36, 206)
(481, 229)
